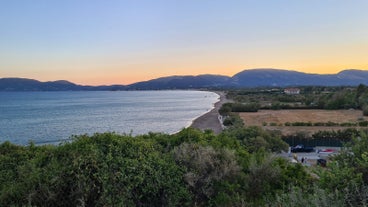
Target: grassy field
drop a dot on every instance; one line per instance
(278, 118)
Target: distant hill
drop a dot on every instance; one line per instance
(277, 77)
(353, 76)
(282, 78)
(23, 84)
(246, 78)
(182, 82)
(256, 78)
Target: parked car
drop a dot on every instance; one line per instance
(325, 153)
(301, 148)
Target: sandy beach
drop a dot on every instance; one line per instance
(210, 120)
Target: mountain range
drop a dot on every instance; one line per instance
(245, 79)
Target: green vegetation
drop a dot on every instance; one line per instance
(191, 168)
(327, 124)
(232, 119)
(239, 107)
(105, 169)
(343, 183)
(322, 138)
(238, 167)
(309, 98)
(365, 110)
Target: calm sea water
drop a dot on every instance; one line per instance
(48, 117)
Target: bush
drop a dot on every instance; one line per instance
(348, 124)
(363, 123)
(99, 170)
(205, 166)
(255, 139)
(330, 123)
(365, 110)
(239, 107)
(301, 124)
(225, 109)
(314, 197)
(263, 174)
(233, 120)
(228, 121)
(319, 124)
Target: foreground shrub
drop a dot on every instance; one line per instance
(233, 120)
(205, 167)
(256, 139)
(315, 197)
(191, 168)
(101, 170)
(365, 110)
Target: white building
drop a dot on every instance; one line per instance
(292, 91)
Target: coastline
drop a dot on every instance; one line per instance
(210, 120)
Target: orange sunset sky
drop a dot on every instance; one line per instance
(121, 42)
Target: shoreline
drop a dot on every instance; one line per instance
(210, 120)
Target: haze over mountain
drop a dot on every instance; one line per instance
(246, 78)
(183, 82)
(256, 78)
(24, 84)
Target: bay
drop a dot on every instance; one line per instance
(50, 117)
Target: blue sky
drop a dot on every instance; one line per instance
(104, 42)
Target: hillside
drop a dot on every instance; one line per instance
(256, 78)
(24, 84)
(246, 78)
(182, 82)
(277, 77)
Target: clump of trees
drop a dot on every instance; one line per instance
(232, 119)
(190, 168)
(328, 124)
(365, 110)
(238, 167)
(205, 167)
(330, 98)
(322, 138)
(239, 107)
(99, 170)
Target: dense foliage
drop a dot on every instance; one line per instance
(343, 183)
(238, 167)
(310, 97)
(322, 138)
(190, 168)
(105, 169)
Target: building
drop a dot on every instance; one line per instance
(292, 91)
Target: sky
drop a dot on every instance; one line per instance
(98, 42)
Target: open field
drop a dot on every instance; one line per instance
(278, 118)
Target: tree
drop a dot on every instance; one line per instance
(205, 166)
(365, 110)
(255, 139)
(99, 170)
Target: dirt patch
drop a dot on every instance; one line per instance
(278, 118)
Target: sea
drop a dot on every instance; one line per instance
(53, 117)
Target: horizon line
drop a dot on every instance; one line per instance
(179, 75)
